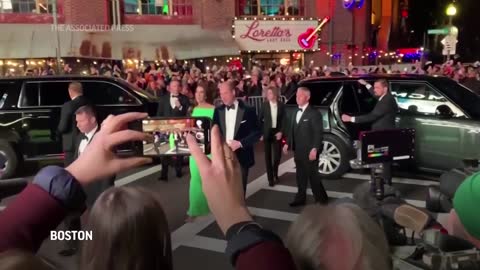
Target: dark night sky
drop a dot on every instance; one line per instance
(428, 14)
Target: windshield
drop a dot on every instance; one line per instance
(462, 96)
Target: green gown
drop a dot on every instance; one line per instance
(198, 202)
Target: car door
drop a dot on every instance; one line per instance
(40, 102)
(439, 141)
(111, 98)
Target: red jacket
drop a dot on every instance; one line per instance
(28, 220)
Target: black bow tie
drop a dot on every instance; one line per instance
(83, 137)
(300, 109)
(231, 107)
(173, 96)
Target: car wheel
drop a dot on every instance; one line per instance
(334, 158)
(8, 160)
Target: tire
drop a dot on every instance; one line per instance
(334, 158)
(8, 154)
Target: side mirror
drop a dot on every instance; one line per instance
(444, 111)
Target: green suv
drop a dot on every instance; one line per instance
(445, 115)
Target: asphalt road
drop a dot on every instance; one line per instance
(201, 242)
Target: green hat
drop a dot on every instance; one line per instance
(466, 203)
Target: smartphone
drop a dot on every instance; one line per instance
(169, 135)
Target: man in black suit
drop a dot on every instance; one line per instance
(87, 125)
(173, 104)
(272, 116)
(305, 139)
(67, 126)
(382, 116)
(239, 126)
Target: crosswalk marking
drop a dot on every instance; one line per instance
(398, 180)
(207, 243)
(273, 214)
(333, 194)
(187, 235)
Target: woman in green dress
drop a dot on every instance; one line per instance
(198, 203)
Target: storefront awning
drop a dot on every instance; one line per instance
(143, 42)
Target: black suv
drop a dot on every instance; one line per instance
(445, 114)
(30, 112)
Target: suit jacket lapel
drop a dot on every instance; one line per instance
(238, 121)
(222, 114)
(268, 115)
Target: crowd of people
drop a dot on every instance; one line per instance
(129, 225)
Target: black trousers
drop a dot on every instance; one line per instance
(244, 179)
(307, 171)
(177, 163)
(273, 154)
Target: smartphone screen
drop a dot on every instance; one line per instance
(169, 135)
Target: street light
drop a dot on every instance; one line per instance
(451, 10)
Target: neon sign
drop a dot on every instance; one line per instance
(349, 4)
(307, 39)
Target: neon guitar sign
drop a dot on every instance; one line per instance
(307, 39)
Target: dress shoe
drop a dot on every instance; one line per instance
(68, 252)
(296, 203)
(179, 174)
(163, 178)
(271, 183)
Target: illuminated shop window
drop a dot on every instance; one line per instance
(159, 7)
(270, 7)
(26, 6)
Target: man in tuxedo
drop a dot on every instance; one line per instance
(272, 116)
(239, 126)
(305, 139)
(172, 105)
(87, 124)
(67, 126)
(381, 117)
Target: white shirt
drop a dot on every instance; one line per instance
(300, 113)
(172, 101)
(230, 121)
(85, 142)
(274, 112)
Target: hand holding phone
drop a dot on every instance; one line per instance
(169, 135)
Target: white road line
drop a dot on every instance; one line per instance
(334, 194)
(398, 180)
(207, 243)
(184, 235)
(272, 214)
(137, 176)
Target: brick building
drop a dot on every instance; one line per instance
(186, 29)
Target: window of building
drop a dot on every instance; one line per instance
(159, 7)
(270, 7)
(26, 6)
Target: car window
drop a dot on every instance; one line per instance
(104, 93)
(53, 93)
(30, 96)
(348, 103)
(461, 95)
(323, 93)
(420, 98)
(8, 93)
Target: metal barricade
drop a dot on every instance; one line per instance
(253, 101)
